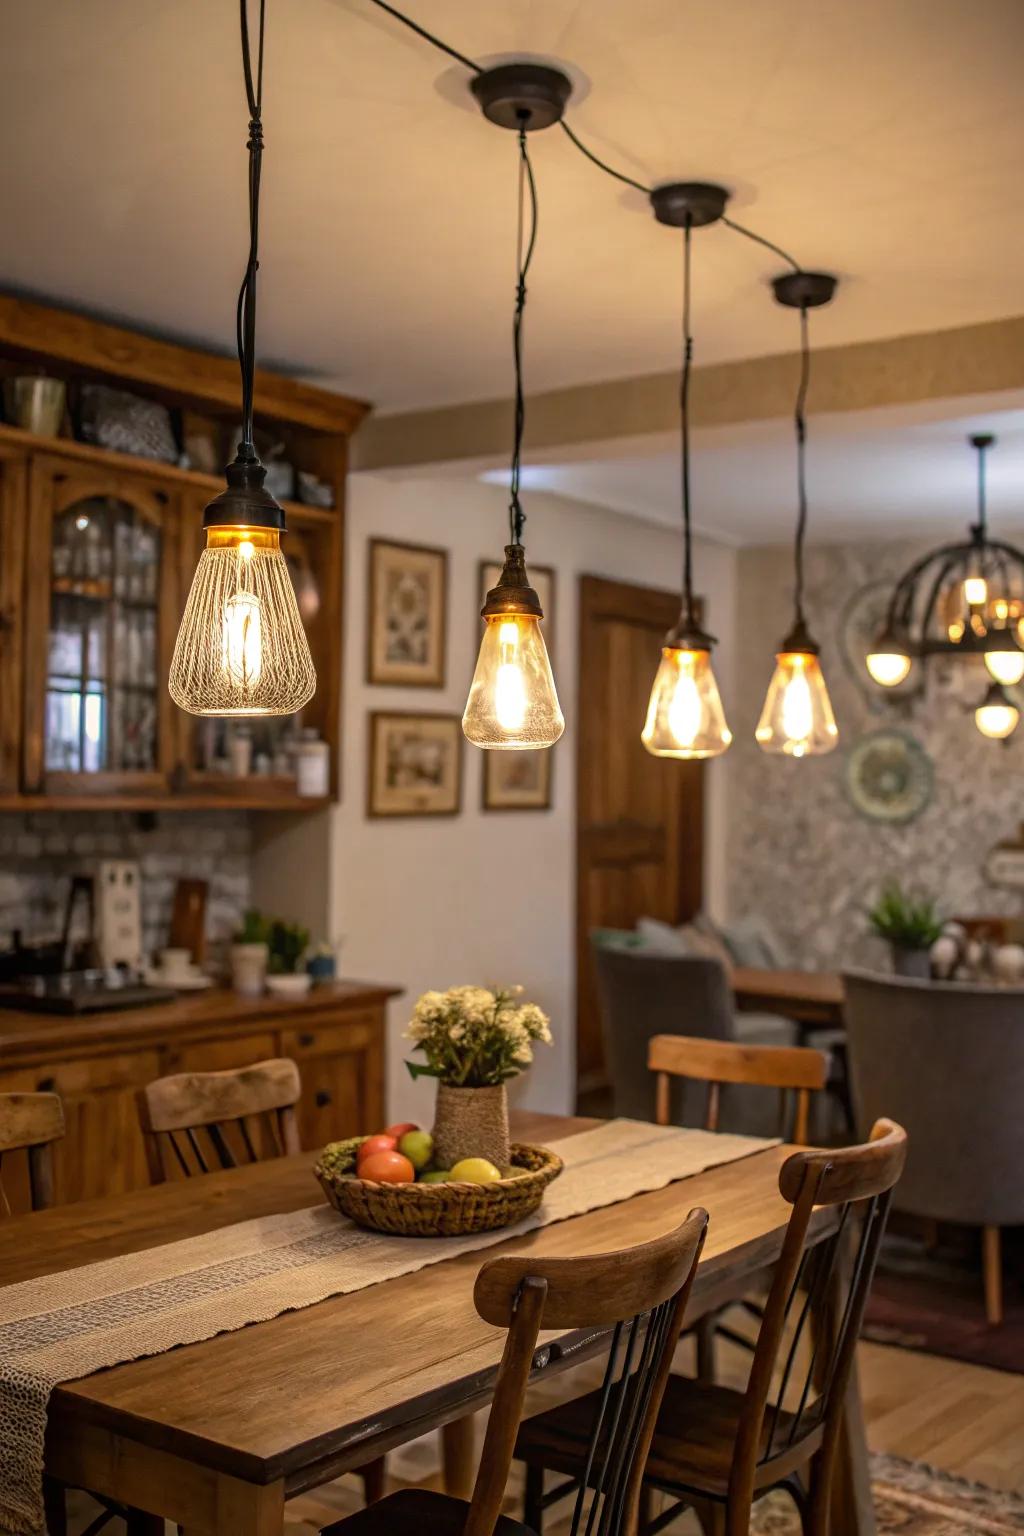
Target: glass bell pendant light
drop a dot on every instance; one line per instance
(997, 715)
(797, 718)
(513, 704)
(241, 648)
(685, 718)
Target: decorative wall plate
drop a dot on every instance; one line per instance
(889, 776)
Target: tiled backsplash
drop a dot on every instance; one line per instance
(39, 852)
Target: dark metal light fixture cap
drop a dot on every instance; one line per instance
(245, 503)
(687, 635)
(694, 202)
(522, 95)
(805, 290)
(800, 640)
(513, 594)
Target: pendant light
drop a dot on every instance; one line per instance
(997, 715)
(241, 648)
(960, 600)
(797, 717)
(685, 718)
(513, 704)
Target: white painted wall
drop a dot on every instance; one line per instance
(432, 903)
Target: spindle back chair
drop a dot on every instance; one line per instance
(639, 1295)
(720, 1448)
(195, 1122)
(31, 1123)
(790, 1068)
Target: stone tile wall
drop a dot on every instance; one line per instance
(800, 854)
(38, 853)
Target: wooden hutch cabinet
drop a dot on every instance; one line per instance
(97, 552)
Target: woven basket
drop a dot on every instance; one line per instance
(436, 1210)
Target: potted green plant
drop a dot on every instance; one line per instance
(287, 943)
(909, 926)
(473, 1040)
(249, 953)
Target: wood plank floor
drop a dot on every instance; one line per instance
(961, 1418)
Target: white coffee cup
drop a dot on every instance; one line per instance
(175, 964)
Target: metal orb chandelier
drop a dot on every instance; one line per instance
(961, 600)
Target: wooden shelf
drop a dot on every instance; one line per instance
(157, 469)
(204, 801)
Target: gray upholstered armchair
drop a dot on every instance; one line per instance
(946, 1060)
(642, 994)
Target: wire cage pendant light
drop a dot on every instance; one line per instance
(963, 600)
(797, 719)
(513, 703)
(241, 648)
(685, 718)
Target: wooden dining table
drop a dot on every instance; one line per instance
(218, 1435)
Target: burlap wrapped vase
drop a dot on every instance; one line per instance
(471, 1122)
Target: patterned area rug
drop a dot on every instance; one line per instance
(913, 1500)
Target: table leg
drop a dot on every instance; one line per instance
(457, 1447)
(244, 1509)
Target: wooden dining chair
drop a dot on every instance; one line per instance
(790, 1068)
(639, 1294)
(195, 1122)
(717, 1449)
(31, 1123)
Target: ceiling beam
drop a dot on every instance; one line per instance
(900, 370)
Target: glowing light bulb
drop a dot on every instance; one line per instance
(997, 715)
(685, 717)
(797, 717)
(241, 648)
(975, 591)
(512, 702)
(1005, 665)
(888, 668)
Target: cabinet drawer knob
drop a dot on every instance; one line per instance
(323, 1098)
(46, 1085)
(306, 1039)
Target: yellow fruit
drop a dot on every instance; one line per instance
(475, 1170)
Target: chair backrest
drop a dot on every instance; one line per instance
(31, 1122)
(198, 1121)
(827, 1284)
(642, 995)
(789, 1068)
(640, 1294)
(945, 1059)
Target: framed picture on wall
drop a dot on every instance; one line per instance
(517, 781)
(415, 766)
(543, 579)
(407, 615)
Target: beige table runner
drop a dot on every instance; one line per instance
(67, 1325)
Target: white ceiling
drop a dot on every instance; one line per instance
(876, 474)
(882, 140)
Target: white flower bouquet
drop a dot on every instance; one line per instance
(471, 1037)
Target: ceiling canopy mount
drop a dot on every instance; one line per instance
(696, 203)
(522, 95)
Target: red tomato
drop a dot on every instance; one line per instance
(374, 1144)
(387, 1168)
(398, 1131)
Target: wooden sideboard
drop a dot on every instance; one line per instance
(97, 1063)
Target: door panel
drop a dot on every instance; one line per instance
(639, 818)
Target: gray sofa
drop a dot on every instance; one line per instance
(946, 1060)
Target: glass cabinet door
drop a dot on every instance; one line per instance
(100, 696)
(13, 481)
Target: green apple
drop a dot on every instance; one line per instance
(418, 1147)
(436, 1176)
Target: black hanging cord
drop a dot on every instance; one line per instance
(602, 165)
(516, 515)
(245, 321)
(981, 526)
(684, 427)
(800, 421)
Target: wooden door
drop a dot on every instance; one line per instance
(13, 482)
(639, 818)
(101, 614)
